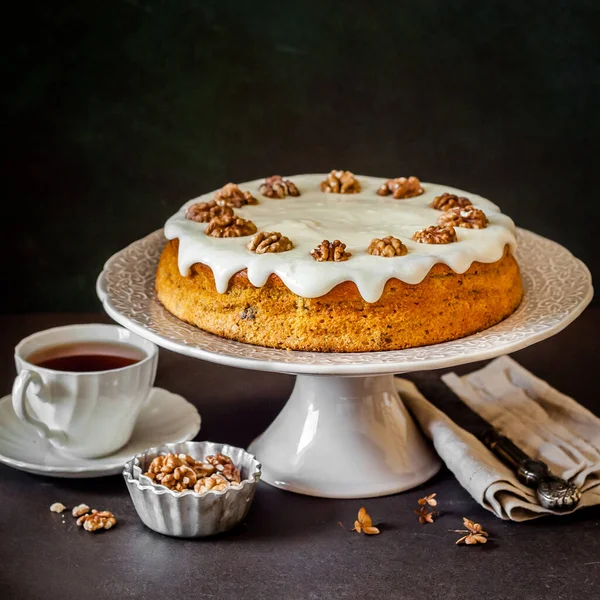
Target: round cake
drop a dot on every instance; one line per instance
(339, 263)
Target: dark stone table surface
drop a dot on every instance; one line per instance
(292, 546)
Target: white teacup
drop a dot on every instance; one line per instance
(84, 414)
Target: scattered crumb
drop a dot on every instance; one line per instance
(80, 510)
(58, 507)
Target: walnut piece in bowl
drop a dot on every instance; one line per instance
(206, 488)
(181, 472)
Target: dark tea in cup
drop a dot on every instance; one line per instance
(86, 357)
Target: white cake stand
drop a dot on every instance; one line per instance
(344, 432)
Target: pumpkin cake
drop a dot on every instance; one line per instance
(339, 263)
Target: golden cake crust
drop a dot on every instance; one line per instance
(444, 306)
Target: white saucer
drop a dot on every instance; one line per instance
(166, 418)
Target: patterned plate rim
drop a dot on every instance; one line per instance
(558, 287)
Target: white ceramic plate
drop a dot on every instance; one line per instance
(166, 418)
(558, 287)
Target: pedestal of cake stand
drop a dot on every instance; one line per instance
(344, 437)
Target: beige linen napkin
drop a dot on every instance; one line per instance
(539, 419)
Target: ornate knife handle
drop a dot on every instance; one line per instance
(552, 492)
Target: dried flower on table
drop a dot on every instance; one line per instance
(474, 531)
(428, 500)
(58, 507)
(424, 515)
(364, 523)
(97, 520)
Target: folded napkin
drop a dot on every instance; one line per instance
(540, 420)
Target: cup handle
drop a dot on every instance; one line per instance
(25, 379)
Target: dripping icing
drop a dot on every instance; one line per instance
(355, 219)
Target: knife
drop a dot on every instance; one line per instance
(552, 492)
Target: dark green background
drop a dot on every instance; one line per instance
(115, 113)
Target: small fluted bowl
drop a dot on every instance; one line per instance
(189, 514)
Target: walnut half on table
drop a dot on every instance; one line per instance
(97, 520)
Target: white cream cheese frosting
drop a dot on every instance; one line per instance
(354, 219)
